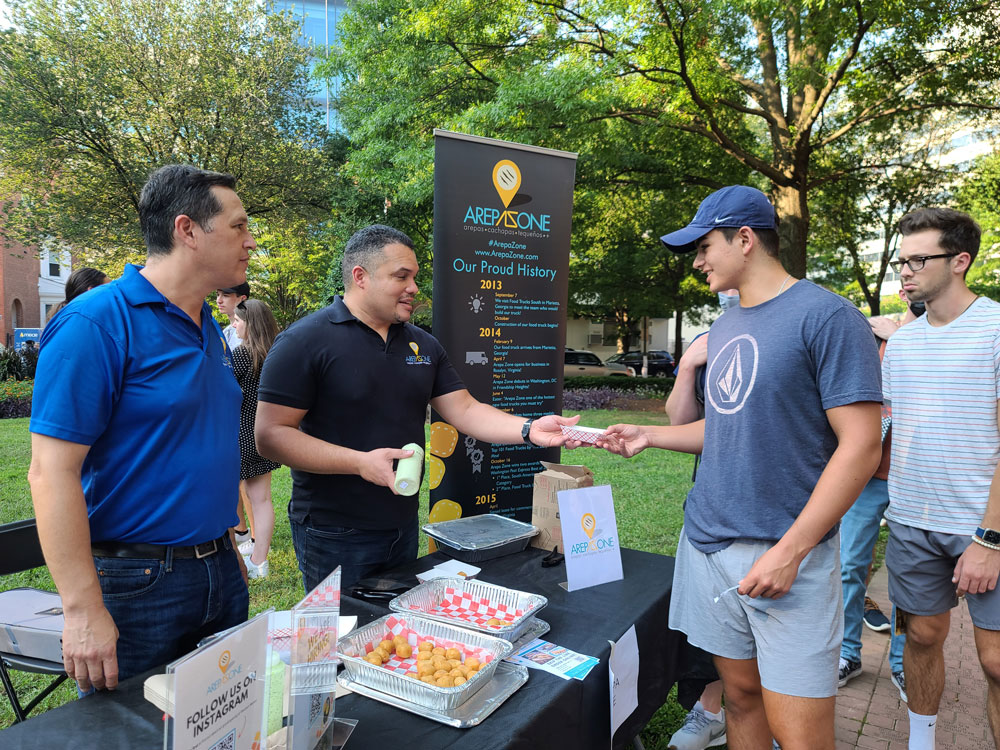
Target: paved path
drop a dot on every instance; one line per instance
(870, 714)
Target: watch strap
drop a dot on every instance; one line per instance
(990, 536)
(526, 431)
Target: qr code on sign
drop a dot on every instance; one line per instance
(315, 707)
(226, 743)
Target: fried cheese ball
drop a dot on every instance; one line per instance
(428, 679)
(445, 681)
(438, 651)
(387, 646)
(414, 675)
(472, 663)
(452, 663)
(426, 646)
(424, 656)
(399, 639)
(493, 622)
(404, 650)
(453, 653)
(382, 653)
(456, 672)
(374, 658)
(440, 673)
(425, 668)
(460, 681)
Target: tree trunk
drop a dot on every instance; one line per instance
(793, 211)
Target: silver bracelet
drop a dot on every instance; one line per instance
(984, 543)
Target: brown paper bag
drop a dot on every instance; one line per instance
(545, 501)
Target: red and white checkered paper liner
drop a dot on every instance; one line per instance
(398, 626)
(463, 606)
(583, 434)
(326, 596)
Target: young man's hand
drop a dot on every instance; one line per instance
(977, 570)
(623, 439)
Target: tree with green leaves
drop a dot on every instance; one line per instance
(980, 196)
(773, 84)
(95, 94)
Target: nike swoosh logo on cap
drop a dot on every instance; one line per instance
(723, 218)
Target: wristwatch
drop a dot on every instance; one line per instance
(526, 431)
(990, 536)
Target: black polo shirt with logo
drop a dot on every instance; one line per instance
(358, 392)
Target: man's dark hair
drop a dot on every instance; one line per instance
(768, 237)
(959, 232)
(365, 249)
(175, 190)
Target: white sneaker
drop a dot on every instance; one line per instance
(256, 571)
(699, 731)
(242, 536)
(246, 548)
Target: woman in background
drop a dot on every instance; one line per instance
(256, 326)
(80, 281)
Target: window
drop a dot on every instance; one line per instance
(54, 269)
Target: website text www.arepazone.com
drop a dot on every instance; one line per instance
(506, 250)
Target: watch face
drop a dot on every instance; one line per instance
(990, 536)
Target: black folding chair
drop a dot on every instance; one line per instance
(20, 550)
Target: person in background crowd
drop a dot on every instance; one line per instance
(705, 724)
(944, 483)
(80, 281)
(343, 390)
(790, 437)
(256, 327)
(227, 300)
(133, 501)
(858, 534)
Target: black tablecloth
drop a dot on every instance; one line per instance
(545, 712)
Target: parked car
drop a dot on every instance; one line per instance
(580, 362)
(659, 362)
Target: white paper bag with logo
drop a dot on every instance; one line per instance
(590, 536)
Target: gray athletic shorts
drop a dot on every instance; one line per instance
(795, 639)
(921, 564)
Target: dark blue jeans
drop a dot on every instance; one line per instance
(358, 552)
(164, 607)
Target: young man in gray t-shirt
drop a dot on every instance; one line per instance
(792, 393)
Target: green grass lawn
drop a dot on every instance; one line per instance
(648, 489)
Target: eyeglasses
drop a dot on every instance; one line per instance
(917, 263)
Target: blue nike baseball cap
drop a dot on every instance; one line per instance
(733, 206)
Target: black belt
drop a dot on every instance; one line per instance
(135, 551)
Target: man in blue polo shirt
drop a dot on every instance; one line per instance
(135, 454)
(342, 391)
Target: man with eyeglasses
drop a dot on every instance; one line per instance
(944, 492)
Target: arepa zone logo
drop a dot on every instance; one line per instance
(417, 358)
(507, 181)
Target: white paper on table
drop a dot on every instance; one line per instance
(623, 678)
(590, 536)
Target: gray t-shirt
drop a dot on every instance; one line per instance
(773, 370)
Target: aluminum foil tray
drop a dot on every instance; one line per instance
(479, 538)
(470, 604)
(352, 648)
(506, 680)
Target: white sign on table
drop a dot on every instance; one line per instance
(590, 536)
(219, 691)
(623, 678)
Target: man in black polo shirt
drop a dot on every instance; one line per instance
(342, 390)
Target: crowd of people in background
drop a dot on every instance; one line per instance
(809, 429)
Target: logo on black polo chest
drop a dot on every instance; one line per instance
(417, 358)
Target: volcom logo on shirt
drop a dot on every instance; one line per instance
(730, 378)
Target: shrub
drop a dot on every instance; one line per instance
(651, 386)
(15, 398)
(601, 398)
(11, 364)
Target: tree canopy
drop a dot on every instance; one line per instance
(95, 94)
(771, 85)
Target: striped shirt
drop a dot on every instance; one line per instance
(943, 383)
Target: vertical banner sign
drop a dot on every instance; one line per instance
(502, 219)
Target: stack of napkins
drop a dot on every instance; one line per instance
(450, 569)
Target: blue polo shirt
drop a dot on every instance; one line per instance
(124, 370)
